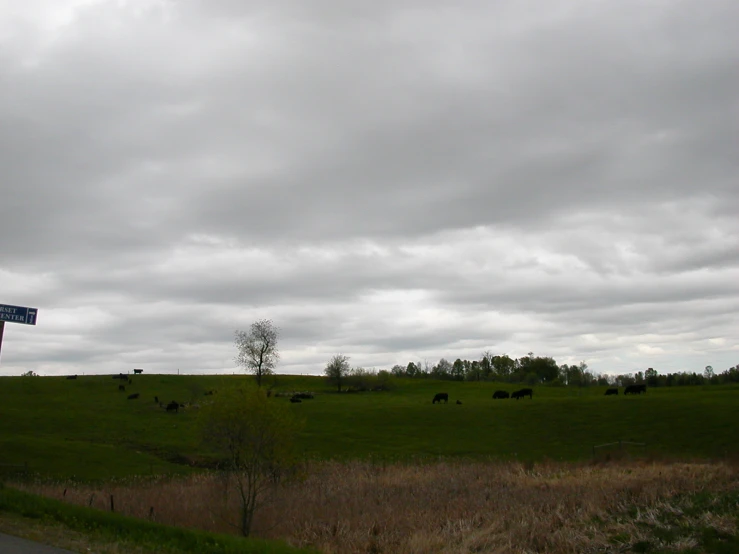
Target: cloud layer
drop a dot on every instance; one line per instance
(394, 181)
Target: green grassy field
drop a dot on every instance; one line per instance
(86, 428)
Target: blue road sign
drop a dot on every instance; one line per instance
(18, 314)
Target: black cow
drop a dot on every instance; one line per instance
(611, 392)
(130, 382)
(156, 400)
(522, 393)
(500, 394)
(295, 400)
(137, 371)
(208, 393)
(441, 396)
(71, 377)
(459, 402)
(635, 389)
(173, 406)
(122, 388)
(133, 396)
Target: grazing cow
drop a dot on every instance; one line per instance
(611, 392)
(173, 406)
(500, 394)
(441, 396)
(295, 400)
(635, 389)
(122, 388)
(522, 393)
(208, 393)
(133, 396)
(71, 377)
(137, 371)
(459, 402)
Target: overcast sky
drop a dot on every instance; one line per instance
(395, 181)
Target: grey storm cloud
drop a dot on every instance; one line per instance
(393, 180)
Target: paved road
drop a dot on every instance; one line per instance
(14, 545)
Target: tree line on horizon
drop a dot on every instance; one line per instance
(537, 370)
(258, 354)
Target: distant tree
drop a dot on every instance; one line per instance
(426, 367)
(546, 369)
(258, 352)
(411, 370)
(337, 370)
(708, 373)
(651, 377)
(442, 370)
(624, 380)
(731, 375)
(458, 370)
(257, 437)
(398, 370)
(522, 368)
(486, 364)
(566, 374)
(361, 379)
(474, 371)
(503, 367)
(29, 374)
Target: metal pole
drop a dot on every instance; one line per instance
(2, 327)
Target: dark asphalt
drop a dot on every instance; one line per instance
(14, 545)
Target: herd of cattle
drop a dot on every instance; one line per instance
(295, 398)
(172, 406)
(523, 393)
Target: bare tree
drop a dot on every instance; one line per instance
(258, 349)
(337, 370)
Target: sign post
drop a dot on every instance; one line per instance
(16, 314)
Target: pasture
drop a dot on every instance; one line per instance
(87, 429)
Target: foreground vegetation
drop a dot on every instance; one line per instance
(95, 432)
(462, 507)
(129, 533)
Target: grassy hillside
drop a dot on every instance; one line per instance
(88, 429)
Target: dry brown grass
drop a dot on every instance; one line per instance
(445, 507)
